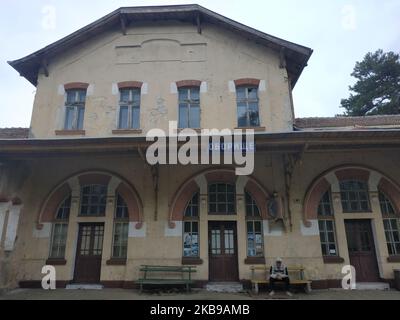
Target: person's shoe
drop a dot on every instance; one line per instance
(289, 293)
(271, 293)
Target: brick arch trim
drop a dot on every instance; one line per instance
(76, 85)
(132, 200)
(49, 210)
(260, 196)
(247, 82)
(188, 83)
(185, 192)
(60, 192)
(392, 191)
(320, 185)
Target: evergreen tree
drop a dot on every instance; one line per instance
(377, 90)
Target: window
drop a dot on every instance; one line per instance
(191, 228)
(255, 242)
(221, 198)
(354, 196)
(391, 224)
(75, 109)
(247, 107)
(60, 229)
(189, 107)
(93, 200)
(129, 109)
(326, 225)
(121, 228)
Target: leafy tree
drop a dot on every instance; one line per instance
(377, 90)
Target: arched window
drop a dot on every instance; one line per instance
(191, 228)
(391, 224)
(121, 229)
(93, 200)
(60, 229)
(221, 199)
(326, 224)
(354, 196)
(255, 242)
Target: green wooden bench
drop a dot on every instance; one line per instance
(166, 275)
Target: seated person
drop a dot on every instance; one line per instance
(279, 273)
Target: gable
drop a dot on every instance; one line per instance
(294, 57)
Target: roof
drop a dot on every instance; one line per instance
(295, 141)
(14, 133)
(296, 55)
(348, 123)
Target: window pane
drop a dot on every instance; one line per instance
(135, 118)
(71, 94)
(81, 114)
(194, 121)
(123, 118)
(81, 96)
(241, 93)
(252, 93)
(124, 95)
(69, 118)
(183, 94)
(194, 94)
(183, 116)
(242, 115)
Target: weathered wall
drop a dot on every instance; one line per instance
(159, 56)
(157, 244)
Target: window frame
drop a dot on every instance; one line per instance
(124, 221)
(253, 219)
(323, 217)
(247, 101)
(217, 202)
(358, 200)
(131, 104)
(189, 103)
(64, 223)
(89, 204)
(75, 106)
(389, 218)
(191, 219)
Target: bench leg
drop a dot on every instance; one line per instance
(141, 287)
(255, 289)
(308, 288)
(187, 287)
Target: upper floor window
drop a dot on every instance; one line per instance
(189, 107)
(75, 109)
(60, 229)
(129, 108)
(391, 223)
(354, 196)
(221, 198)
(191, 228)
(247, 106)
(93, 200)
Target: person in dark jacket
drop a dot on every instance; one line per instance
(279, 273)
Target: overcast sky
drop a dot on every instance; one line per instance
(340, 32)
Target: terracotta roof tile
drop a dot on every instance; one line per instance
(14, 133)
(368, 121)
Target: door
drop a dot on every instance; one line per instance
(362, 253)
(223, 261)
(88, 253)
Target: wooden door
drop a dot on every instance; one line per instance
(223, 260)
(88, 253)
(362, 253)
